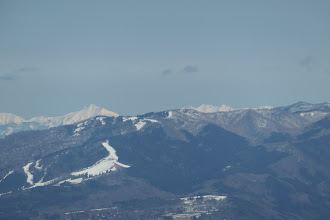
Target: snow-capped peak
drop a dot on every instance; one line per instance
(265, 107)
(73, 117)
(87, 112)
(13, 123)
(7, 118)
(204, 108)
(210, 108)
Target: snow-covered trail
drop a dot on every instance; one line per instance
(10, 172)
(104, 165)
(29, 175)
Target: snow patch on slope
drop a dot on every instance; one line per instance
(90, 210)
(109, 163)
(314, 114)
(10, 172)
(9, 131)
(72, 181)
(37, 165)
(104, 165)
(101, 120)
(79, 128)
(140, 125)
(130, 118)
(29, 175)
(143, 122)
(41, 183)
(193, 199)
(151, 120)
(226, 168)
(2, 194)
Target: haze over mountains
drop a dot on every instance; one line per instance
(227, 163)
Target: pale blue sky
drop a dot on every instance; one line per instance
(139, 56)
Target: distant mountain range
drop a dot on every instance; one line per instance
(227, 117)
(10, 123)
(207, 162)
(223, 108)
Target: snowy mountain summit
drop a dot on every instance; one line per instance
(87, 112)
(211, 108)
(204, 108)
(7, 118)
(10, 123)
(74, 117)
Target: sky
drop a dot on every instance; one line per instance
(133, 57)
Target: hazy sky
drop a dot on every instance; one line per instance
(140, 56)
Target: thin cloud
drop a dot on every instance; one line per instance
(307, 63)
(190, 69)
(7, 77)
(13, 75)
(166, 72)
